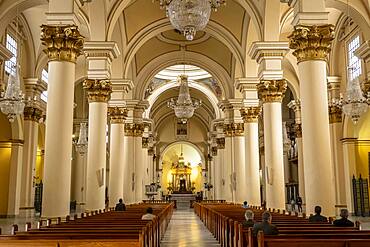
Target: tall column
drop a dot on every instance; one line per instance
(117, 116)
(312, 45)
(63, 46)
(79, 180)
(349, 154)
(296, 106)
(98, 92)
(235, 144)
(271, 94)
(32, 115)
(250, 116)
(128, 164)
(222, 190)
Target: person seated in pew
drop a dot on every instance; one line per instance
(120, 206)
(265, 225)
(343, 221)
(317, 217)
(249, 216)
(245, 204)
(149, 214)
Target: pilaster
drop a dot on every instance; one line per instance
(269, 55)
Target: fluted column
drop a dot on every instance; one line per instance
(271, 94)
(32, 115)
(63, 46)
(98, 92)
(221, 189)
(312, 45)
(132, 150)
(296, 106)
(235, 144)
(117, 116)
(252, 186)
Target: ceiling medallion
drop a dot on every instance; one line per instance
(189, 16)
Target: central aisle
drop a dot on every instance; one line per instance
(186, 229)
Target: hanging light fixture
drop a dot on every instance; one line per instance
(183, 106)
(12, 100)
(353, 103)
(81, 145)
(189, 16)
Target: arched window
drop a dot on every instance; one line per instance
(12, 46)
(354, 63)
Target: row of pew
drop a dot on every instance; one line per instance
(103, 228)
(225, 223)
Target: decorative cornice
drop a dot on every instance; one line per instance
(311, 42)
(98, 90)
(63, 43)
(134, 129)
(32, 114)
(220, 143)
(272, 90)
(251, 114)
(335, 114)
(234, 129)
(117, 115)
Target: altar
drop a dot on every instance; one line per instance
(183, 200)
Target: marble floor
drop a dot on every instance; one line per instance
(187, 230)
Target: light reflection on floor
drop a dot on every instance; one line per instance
(186, 229)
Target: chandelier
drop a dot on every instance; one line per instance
(12, 100)
(81, 145)
(184, 107)
(189, 16)
(353, 103)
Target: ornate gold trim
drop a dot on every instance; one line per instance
(32, 114)
(220, 143)
(365, 86)
(335, 114)
(145, 142)
(311, 42)
(272, 90)
(97, 90)
(234, 129)
(251, 114)
(214, 151)
(298, 130)
(63, 43)
(134, 129)
(117, 115)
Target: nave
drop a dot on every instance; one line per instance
(187, 230)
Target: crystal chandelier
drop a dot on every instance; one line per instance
(189, 16)
(354, 104)
(12, 100)
(81, 145)
(184, 107)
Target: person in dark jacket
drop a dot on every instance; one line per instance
(249, 222)
(265, 225)
(317, 217)
(343, 221)
(120, 206)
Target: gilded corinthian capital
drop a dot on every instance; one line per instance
(234, 129)
(117, 115)
(134, 129)
(63, 43)
(32, 114)
(335, 114)
(250, 114)
(311, 42)
(98, 90)
(271, 90)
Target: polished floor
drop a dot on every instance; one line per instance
(187, 230)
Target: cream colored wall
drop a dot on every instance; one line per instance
(363, 146)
